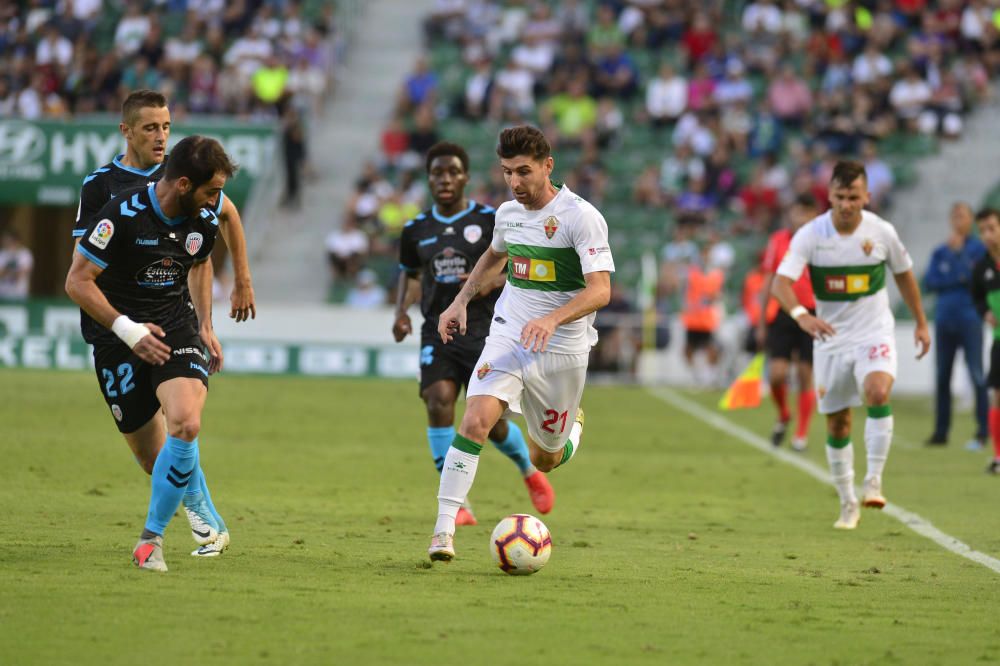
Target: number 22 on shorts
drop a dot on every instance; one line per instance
(551, 418)
(876, 351)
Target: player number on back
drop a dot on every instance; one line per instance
(551, 418)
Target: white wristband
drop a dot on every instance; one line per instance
(129, 331)
(797, 312)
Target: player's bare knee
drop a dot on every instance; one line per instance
(475, 427)
(185, 428)
(876, 396)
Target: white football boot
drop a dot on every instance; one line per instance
(148, 554)
(872, 496)
(850, 515)
(442, 547)
(215, 548)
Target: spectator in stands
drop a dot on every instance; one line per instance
(880, 178)
(909, 97)
(957, 324)
(475, 102)
(16, 262)
(615, 73)
(294, 149)
(605, 31)
(789, 98)
(870, 66)
(666, 96)
(570, 117)
(513, 96)
(131, 29)
(366, 293)
(419, 88)
(346, 249)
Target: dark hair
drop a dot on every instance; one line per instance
(198, 158)
(988, 212)
(846, 172)
(523, 140)
(805, 200)
(138, 100)
(447, 149)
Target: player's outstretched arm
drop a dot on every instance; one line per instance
(81, 286)
(453, 319)
(242, 302)
(910, 291)
(407, 293)
(782, 290)
(595, 295)
(200, 286)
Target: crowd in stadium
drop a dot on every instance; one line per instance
(743, 107)
(59, 58)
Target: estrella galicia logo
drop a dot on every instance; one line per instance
(160, 274)
(426, 355)
(20, 143)
(448, 265)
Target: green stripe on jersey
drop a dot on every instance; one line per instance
(544, 268)
(846, 283)
(993, 300)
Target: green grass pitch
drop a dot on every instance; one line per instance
(673, 543)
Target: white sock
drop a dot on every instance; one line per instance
(842, 470)
(878, 438)
(457, 475)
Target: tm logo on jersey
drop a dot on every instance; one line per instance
(847, 284)
(536, 270)
(102, 233)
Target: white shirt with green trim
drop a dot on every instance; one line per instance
(548, 253)
(848, 274)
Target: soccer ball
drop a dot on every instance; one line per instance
(520, 544)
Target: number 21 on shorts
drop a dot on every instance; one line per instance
(552, 417)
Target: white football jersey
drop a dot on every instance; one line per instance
(848, 274)
(548, 253)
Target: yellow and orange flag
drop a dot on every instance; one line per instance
(745, 391)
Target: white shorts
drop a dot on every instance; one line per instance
(545, 387)
(839, 376)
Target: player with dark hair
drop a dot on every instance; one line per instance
(986, 297)
(145, 125)
(787, 344)
(534, 362)
(142, 276)
(437, 250)
(847, 250)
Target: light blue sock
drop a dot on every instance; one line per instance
(440, 440)
(515, 448)
(197, 486)
(172, 472)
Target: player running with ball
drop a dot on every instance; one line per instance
(534, 362)
(847, 250)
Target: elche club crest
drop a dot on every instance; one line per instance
(193, 242)
(867, 246)
(551, 226)
(484, 370)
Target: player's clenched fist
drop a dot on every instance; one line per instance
(452, 321)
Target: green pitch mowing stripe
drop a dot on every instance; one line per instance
(914, 521)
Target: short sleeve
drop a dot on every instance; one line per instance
(591, 243)
(409, 260)
(771, 260)
(93, 196)
(896, 255)
(797, 257)
(101, 240)
(499, 243)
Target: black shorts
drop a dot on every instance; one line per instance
(455, 361)
(784, 337)
(993, 381)
(129, 384)
(699, 339)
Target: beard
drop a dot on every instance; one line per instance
(187, 203)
